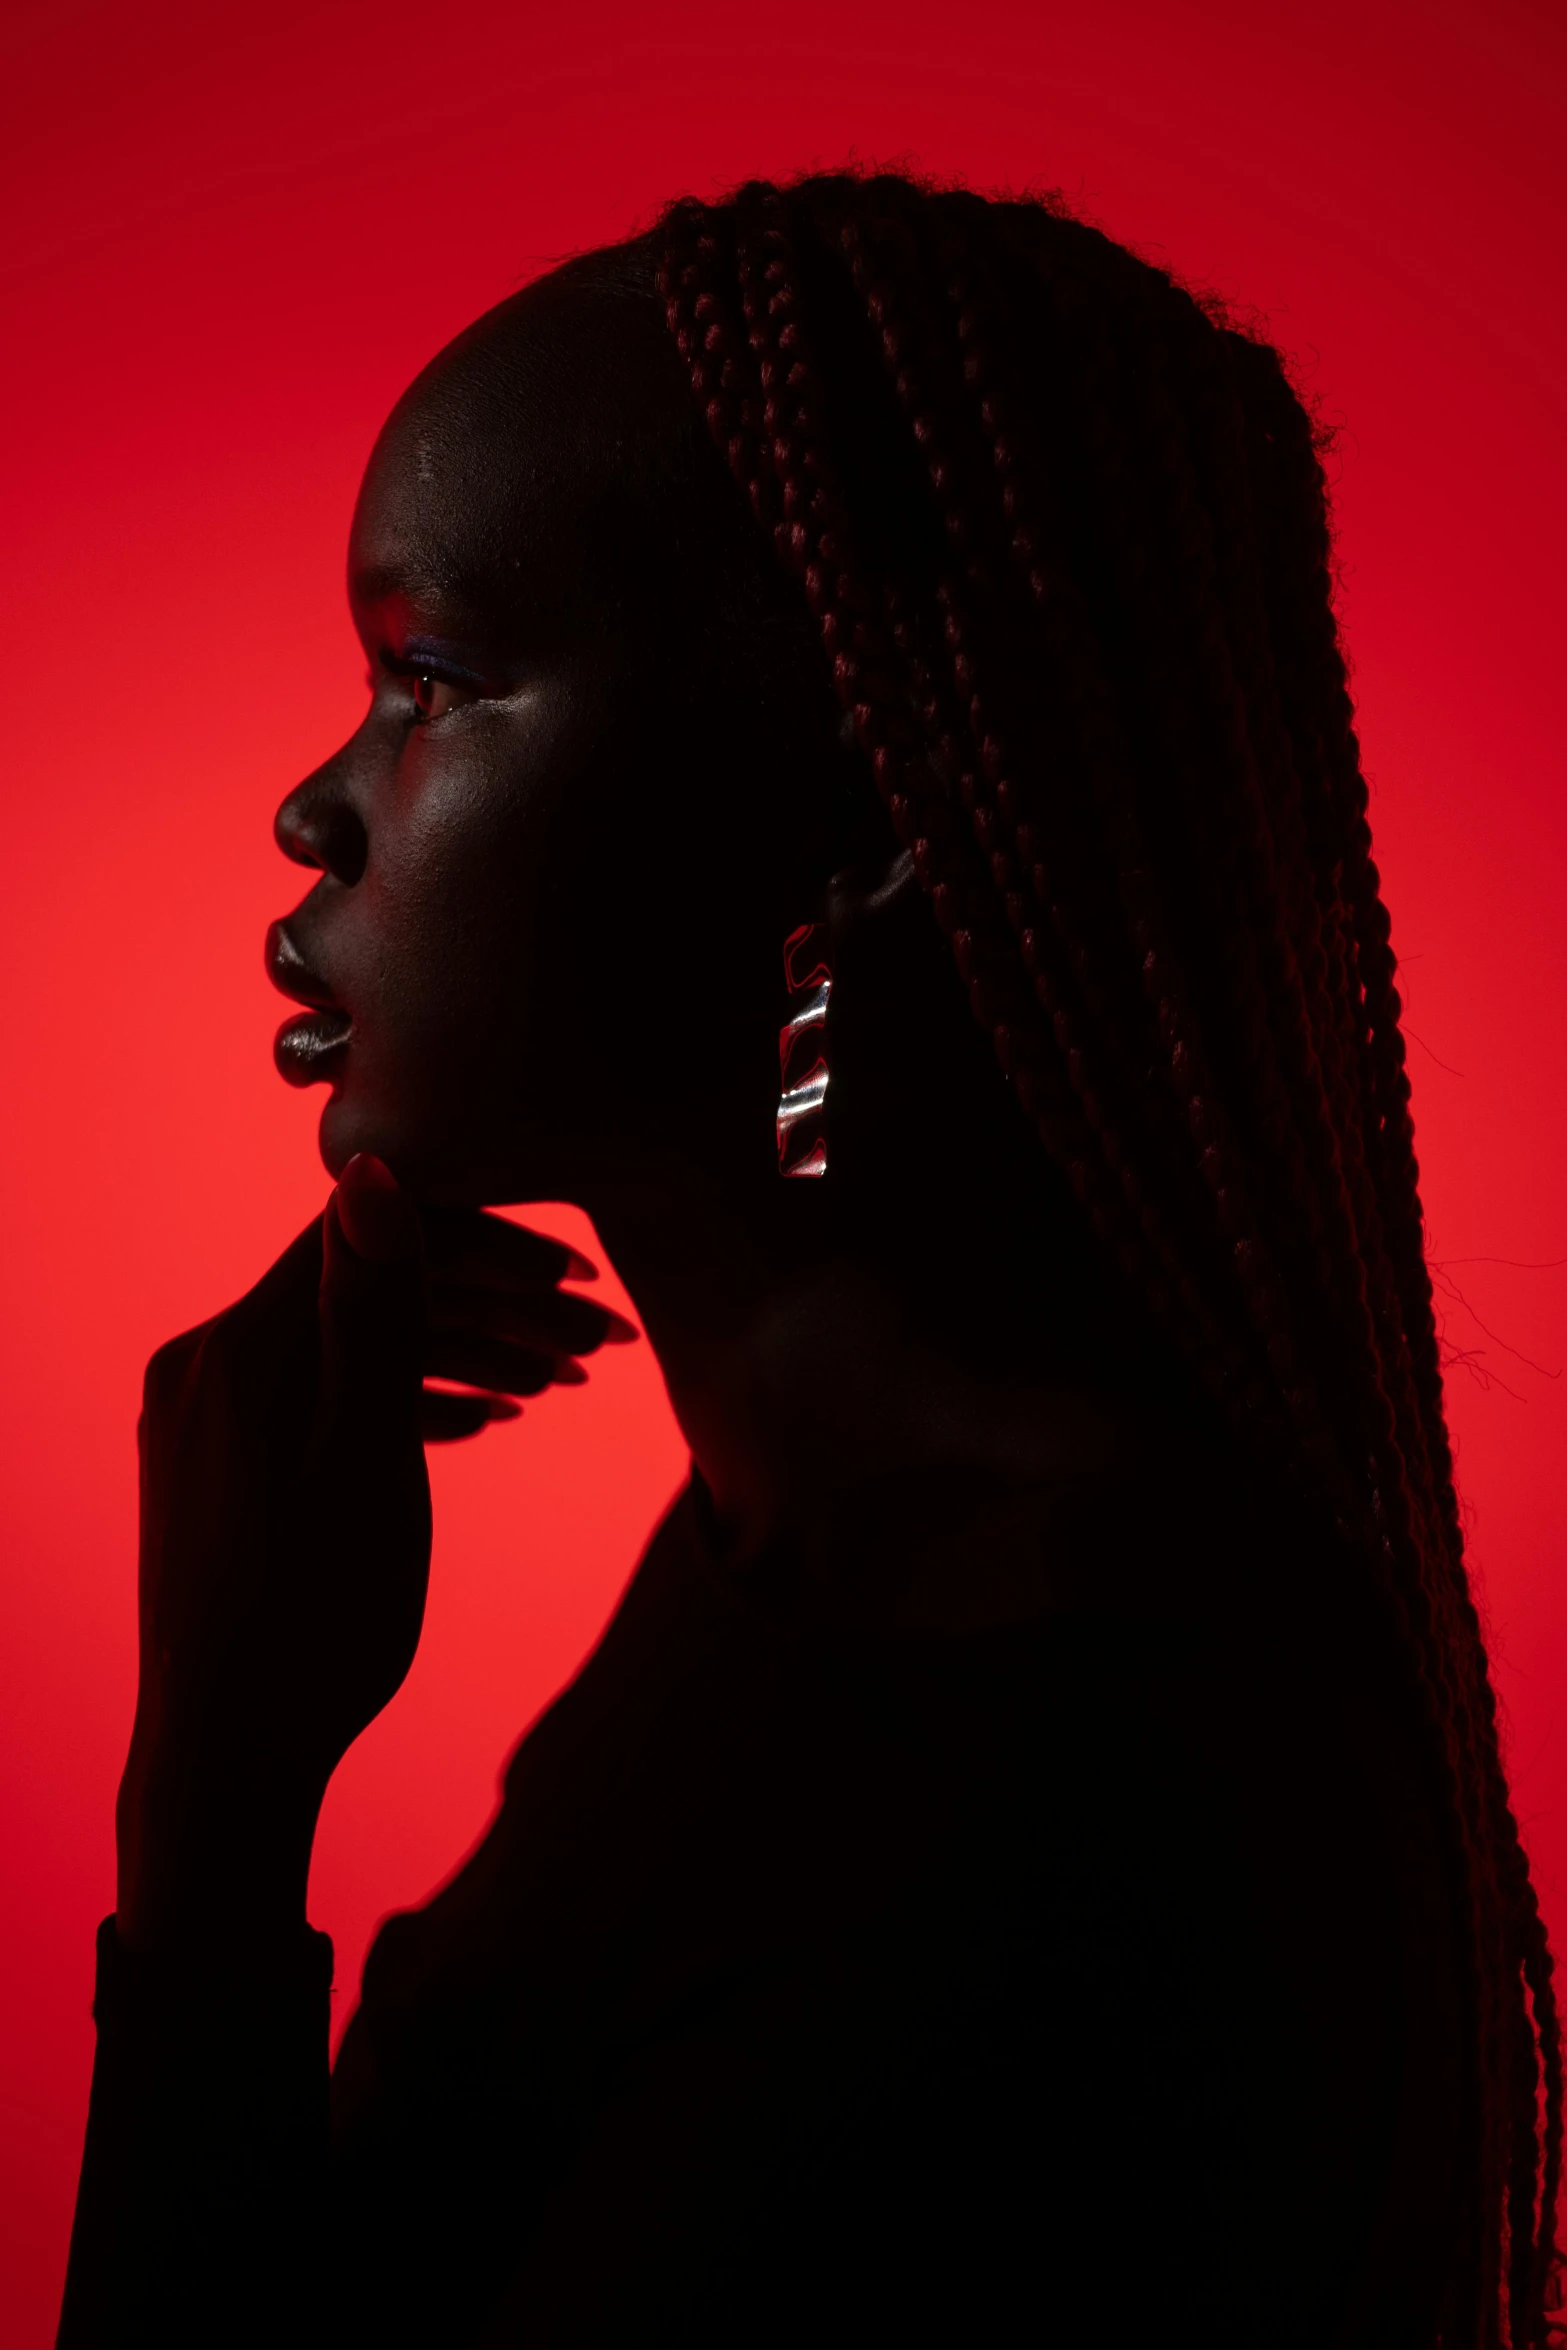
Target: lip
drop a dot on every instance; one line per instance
(305, 1050)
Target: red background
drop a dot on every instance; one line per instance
(229, 244)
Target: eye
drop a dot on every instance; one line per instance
(434, 696)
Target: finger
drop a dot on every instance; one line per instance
(491, 1363)
(555, 1322)
(468, 1245)
(445, 1418)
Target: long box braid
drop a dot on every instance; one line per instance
(1116, 735)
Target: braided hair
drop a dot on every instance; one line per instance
(1100, 687)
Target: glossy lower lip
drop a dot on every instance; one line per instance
(309, 1050)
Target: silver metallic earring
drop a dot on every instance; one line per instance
(802, 1059)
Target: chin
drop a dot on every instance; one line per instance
(420, 1153)
(341, 1133)
(349, 1125)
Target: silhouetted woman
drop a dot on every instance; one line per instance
(1029, 1859)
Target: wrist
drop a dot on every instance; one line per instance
(207, 1851)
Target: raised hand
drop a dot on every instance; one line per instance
(499, 1322)
(285, 1526)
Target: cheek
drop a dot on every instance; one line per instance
(462, 903)
(544, 939)
(481, 964)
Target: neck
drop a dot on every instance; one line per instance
(828, 1368)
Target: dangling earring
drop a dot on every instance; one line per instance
(802, 1063)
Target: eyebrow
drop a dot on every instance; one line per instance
(444, 652)
(418, 586)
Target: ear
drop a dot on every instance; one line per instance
(895, 986)
(895, 979)
(866, 902)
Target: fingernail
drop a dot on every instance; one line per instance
(578, 1267)
(378, 1219)
(502, 1408)
(617, 1330)
(568, 1372)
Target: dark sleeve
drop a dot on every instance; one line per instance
(199, 2215)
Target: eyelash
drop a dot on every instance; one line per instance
(461, 681)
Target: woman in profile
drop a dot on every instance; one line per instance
(1030, 1858)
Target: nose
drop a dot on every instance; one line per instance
(319, 825)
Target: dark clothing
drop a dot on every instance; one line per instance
(1083, 1978)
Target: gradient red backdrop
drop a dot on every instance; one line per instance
(231, 237)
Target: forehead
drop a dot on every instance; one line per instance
(535, 452)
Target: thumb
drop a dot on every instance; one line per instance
(371, 1303)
